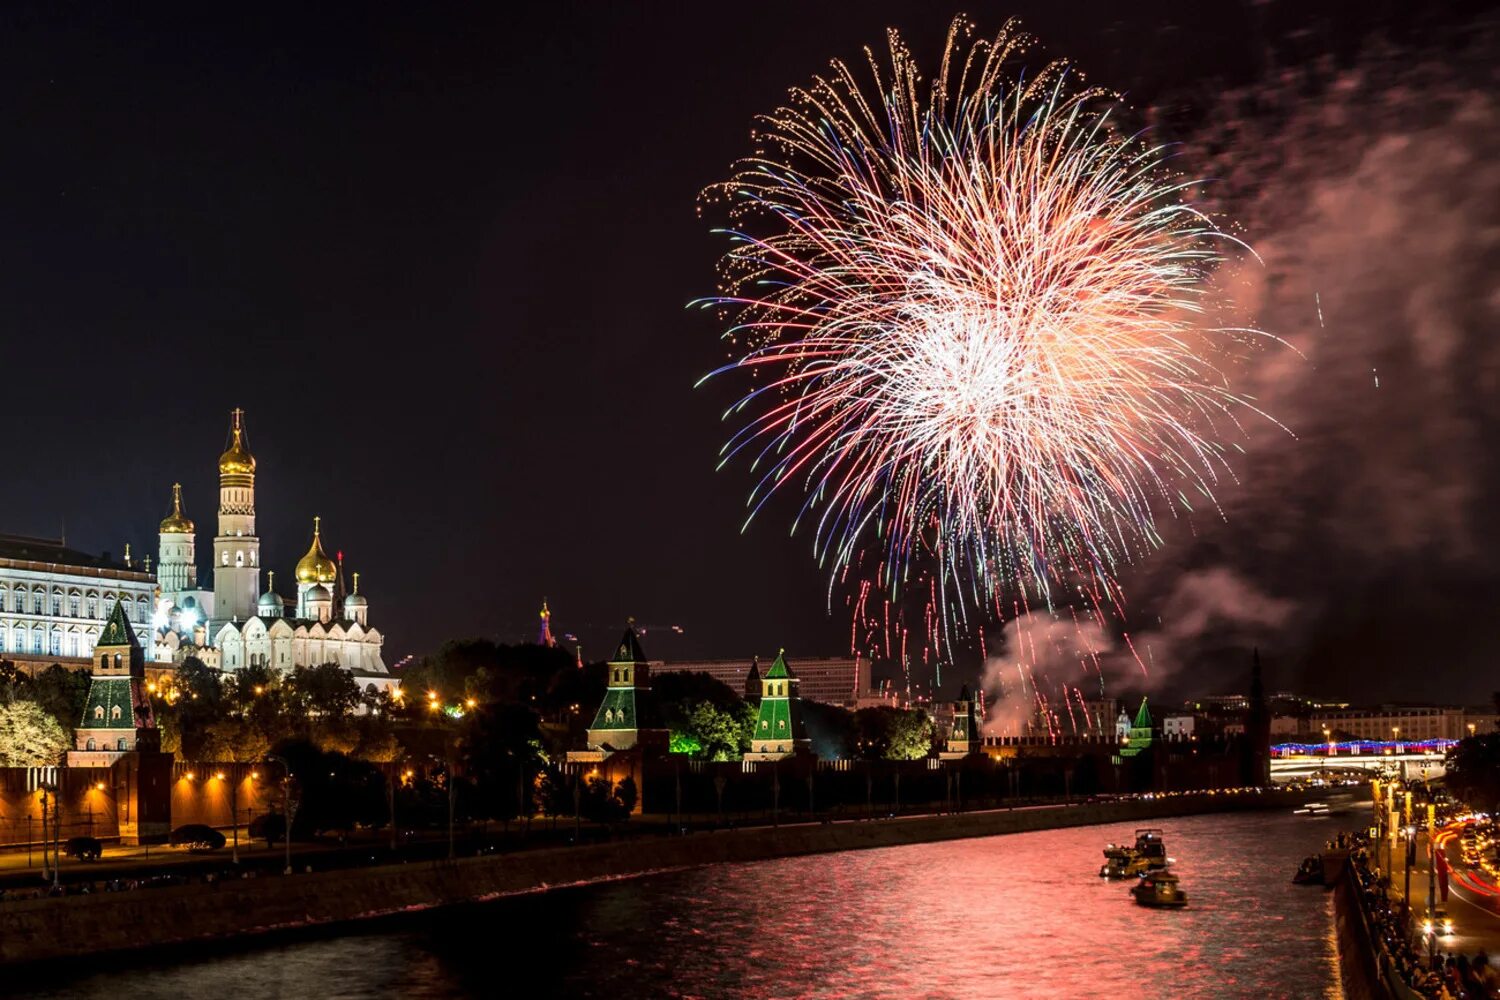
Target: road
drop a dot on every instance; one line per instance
(1474, 911)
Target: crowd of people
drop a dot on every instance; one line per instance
(1421, 964)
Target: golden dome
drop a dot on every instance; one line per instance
(316, 567)
(176, 523)
(237, 461)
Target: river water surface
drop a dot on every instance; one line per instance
(1023, 915)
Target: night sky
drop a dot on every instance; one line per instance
(442, 257)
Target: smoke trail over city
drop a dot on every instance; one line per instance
(1372, 195)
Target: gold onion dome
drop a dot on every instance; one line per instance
(176, 523)
(316, 567)
(237, 461)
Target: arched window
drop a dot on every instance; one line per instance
(92, 604)
(225, 557)
(121, 743)
(239, 558)
(117, 661)
(73, 604)
(56, 605)
(90, 744)
(56, 645)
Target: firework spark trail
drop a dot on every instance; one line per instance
(973, 313)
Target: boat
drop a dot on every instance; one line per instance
(1160, 890)
(1148, 854)
(1310, 872)
(1124, 865)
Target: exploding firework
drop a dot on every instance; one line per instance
(974, 311)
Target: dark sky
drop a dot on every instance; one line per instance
(442, 258)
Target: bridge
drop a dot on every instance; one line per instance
(1410, 760)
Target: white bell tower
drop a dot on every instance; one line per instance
(236, 548)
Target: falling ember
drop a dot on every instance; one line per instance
(971, 308)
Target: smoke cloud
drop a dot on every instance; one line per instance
(1356, 545)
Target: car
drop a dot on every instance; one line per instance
(84, 848)
(1439, 924)
(197, 837)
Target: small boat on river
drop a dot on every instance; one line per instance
(1148, 854)
(1159, 890)
(1310, 872)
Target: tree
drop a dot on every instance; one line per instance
(706, 717)
(336, 792)
(601, 802)
(830, 728)
(1473, 771)
(238, 741)
(30, 736)
(499, 753)
(325, 690)
(885, 733)
(61, 692)
(720, 733)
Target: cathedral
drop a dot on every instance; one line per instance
(235, 624)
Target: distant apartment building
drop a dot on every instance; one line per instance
(1396, 722)
(833, 680)
(1179, 726)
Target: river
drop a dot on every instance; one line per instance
(1023, 915)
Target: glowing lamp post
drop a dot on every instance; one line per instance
(286, 807)
(234, 813)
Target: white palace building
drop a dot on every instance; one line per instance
(54, 601)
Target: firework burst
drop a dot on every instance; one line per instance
(973, 312)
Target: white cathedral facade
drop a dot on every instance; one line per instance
(235, 624)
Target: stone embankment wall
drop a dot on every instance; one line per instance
(49, 929)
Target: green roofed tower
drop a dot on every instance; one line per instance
(963, 737)
(1140, 732)
(779, 731)
(117, 716)
(627, 716)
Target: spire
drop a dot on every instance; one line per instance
(236, 459)
(176, 523)
(779, 670)
(316, 567)
(127, 555)
(629, 649)
(117, 631)
(544, 634)
(356, 583)
(1142, 717)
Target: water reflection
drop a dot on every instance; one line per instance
(1019, 916)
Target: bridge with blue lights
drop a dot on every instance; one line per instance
(1414, 760)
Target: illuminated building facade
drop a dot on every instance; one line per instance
(55, 601)
(236, 625)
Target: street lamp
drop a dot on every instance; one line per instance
(286, 807)
(234, 813)
(1471, 729)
